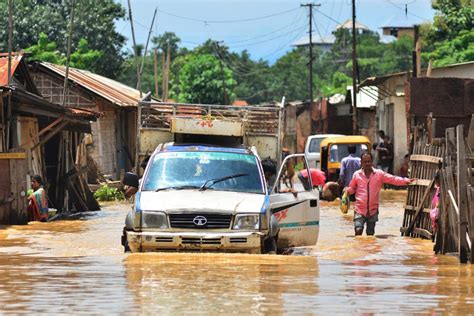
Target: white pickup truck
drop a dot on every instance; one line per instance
(200, 197)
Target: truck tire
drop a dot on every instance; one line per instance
(270, 245)
(126, 248)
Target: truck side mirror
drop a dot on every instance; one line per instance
(130, 179)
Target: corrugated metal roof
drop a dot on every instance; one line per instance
(80, 112)
(16, 58)
(114, 91)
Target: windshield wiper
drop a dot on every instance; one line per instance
(211, 182)
(179, 187)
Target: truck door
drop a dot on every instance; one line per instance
(295, 204)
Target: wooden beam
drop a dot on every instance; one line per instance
(421, 182)
(470, 136)
(50, 126)
(426, 158)
(53, 132)
(20, 155)
(461, 194)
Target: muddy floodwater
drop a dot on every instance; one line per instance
(78, 266)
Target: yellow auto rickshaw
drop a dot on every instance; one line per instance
(334, 149)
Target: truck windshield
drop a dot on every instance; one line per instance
(193, 169)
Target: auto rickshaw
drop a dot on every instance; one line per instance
(334, 149)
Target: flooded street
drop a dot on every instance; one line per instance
(78, 265)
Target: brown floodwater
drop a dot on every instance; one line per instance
(78, 266)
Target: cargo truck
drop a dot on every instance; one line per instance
(204, 187)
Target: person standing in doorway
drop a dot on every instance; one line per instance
(385, 154)
(366, 184)
(37, 201)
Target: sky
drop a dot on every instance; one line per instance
(265, 28)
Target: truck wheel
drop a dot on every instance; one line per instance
(270, 246)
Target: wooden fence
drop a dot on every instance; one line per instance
(447, 163)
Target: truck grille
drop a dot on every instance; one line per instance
(212, 221)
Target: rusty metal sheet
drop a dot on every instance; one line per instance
(16, 58)
(114, 91)
(205, 126)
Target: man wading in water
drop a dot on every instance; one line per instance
(366, 184)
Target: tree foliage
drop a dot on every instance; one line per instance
(201, 80)
(94, 21)
(82, 57)
(450, 39)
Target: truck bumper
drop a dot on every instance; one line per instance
(249, 242)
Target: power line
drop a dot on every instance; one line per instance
(263, 35)
(327, 16)
(228, 21)
(270, 39)
(317, 30)
(404, 9)
(284, 45)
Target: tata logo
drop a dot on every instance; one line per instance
(200, 220)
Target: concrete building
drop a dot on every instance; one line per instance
(392, 115)
(399, 26)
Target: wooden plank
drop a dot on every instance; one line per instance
(426, 158)
(461, 194)
(13, 187)
(421, 182)
(471, 227)
(453, 217)
(420, 207)
(21, 189)
(19, 155)
(470, 136)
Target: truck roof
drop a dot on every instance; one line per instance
(174, 147)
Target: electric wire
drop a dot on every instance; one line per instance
(227, 21)
(403, 9)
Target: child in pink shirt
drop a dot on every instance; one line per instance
(366, 184)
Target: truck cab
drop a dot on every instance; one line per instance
(194, 197)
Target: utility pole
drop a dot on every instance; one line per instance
(355, 129)
(147, 41)
(135, 48)
(416, 54)
(222, 73)
(9, 105)
(310, 64)
(155, 70)
(68, 54)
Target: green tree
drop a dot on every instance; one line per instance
(45, 50)
(82, 57)
(200, 80)
(167, 39)
(94, 21)
(290, 76)
(450, 38)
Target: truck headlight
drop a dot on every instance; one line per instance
(247, 221)
(154, 220)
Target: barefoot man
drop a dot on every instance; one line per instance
(366, 184)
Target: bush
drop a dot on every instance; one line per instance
(106, 193)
